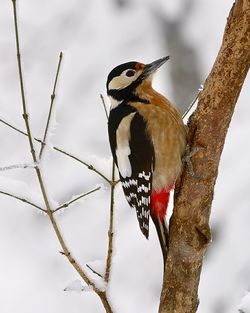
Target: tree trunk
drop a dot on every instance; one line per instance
(208, 125)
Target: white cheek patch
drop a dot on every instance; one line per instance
(119, 82)
(122, 81)
(123, 149)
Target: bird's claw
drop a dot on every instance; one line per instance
(187, 159)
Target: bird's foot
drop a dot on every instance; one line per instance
(187, 159)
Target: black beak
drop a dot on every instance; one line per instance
(152, 67)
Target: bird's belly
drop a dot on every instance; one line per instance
(169, 145)
(168, 165)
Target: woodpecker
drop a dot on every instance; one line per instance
(147, 139)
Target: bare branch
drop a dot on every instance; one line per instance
(25, 114)
(66, 204)
(111, 226)
(208, 125)
(89, 166)
(23, 200)
(102, 294)
(51, 107)
(111, 212)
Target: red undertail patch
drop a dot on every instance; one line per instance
(159, 202)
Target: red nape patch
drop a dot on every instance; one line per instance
(139, 66)
(159, 202)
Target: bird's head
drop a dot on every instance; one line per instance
(123, 80)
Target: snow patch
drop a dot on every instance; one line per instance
(77, 286)
(244, 306)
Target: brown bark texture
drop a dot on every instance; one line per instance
(208, 125)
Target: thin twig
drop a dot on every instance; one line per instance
(102, 294)
(53, 95)
(13, 127)
(193, 102)
(89, 166)
(23, 200)
(104, 105)
(25, 114)
(66, 204)
(19, 130)
(111, 226)
(111, 212)
(95, 272)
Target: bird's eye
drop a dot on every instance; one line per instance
(130, 73)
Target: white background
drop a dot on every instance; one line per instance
(95, 36)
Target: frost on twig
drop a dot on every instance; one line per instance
(66, 204)
(16, 166)
(60, 150)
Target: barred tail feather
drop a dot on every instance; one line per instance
(137, 190)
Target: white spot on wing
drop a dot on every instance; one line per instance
(123, 149)
(124, 165)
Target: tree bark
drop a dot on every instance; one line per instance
(208, 125)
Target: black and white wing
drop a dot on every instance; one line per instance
(134, 156)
